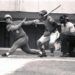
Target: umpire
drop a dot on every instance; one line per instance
(67, 36)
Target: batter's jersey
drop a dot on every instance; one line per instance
(18, 33)
(51, 27)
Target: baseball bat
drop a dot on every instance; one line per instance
(53, 10)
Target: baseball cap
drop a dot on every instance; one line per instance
(7, 16)
(43, 12)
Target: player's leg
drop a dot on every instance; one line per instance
(71, 45)
(64, 45)
(40, 44)
(52, 48)
(53, 37)
(15, 45)
(27, 49)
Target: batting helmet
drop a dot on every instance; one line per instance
(7, 16)
(43, 12)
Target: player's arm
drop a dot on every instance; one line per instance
(72, 29)
(31, 22)
(59, 27)
(14, 27)
(46, 33)
(8, 28)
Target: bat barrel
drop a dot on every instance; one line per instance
(53, 10)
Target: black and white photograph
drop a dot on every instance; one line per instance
(37, 37)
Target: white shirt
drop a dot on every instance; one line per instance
(68, 28)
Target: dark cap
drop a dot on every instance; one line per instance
(43, 12)
(63, 18)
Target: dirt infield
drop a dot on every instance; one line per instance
(47, 67)
(21, 63)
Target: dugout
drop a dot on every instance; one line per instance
(34, 33)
